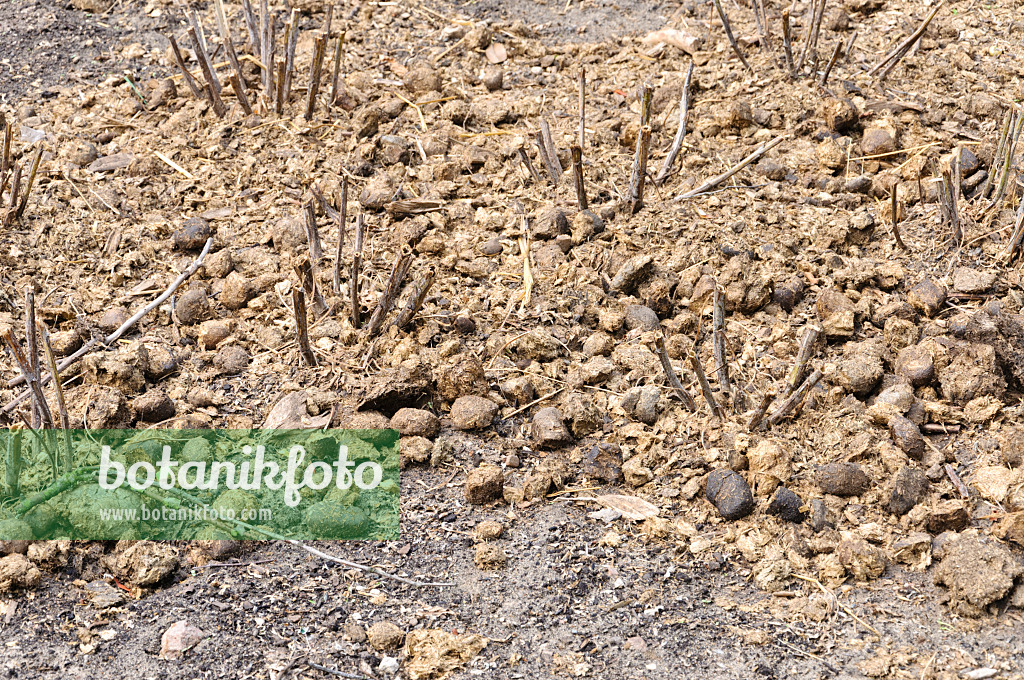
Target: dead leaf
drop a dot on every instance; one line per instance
(496, 53)
(290, 414)
(671, 36)
(631, 507)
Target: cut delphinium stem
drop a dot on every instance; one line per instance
(301, 327)
(890, 60)
(715, 181)
(577, 174)
(291, 39)
(705, 386)
(831, 63)
(280, 95)
(803, 355)
(328, 15)
(551, 150)
(525, 158)
(265, 52)
(316, 252)
(336, 70)
(306, 271)
(794, 399)
(1009, 152)
(415, 300)
(677, 143)
(357, 262)
(670, 374)
(252, 27)
(12, 206)
(28, 187)
(787, 41)
(341, 234)
(13, 460)
(643, 146)
(62, 407)
(758, 417)
(894, 206)
(718, 341)
(1004, 133)
(316, 70)
(238, 78)
(583, 108)
(728, 34)
(761, 17)
(849, 46)
(811, 42)
(193, 20)
(204, 63)
(5, 153)
(391, 290)
(32, 347)
(554, 171)
(1018, 232)
(35, 385)
(948, 205)
(186, 74)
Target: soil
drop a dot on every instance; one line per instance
(875, 530)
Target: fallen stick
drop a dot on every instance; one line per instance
(791, 402)
(415, 301)
(728, 34)
(180, 61)
(670, 373)
(890, 60)
(391, 290)
(116, 335)
(677, 143)
(577, 175)
(705, 386)
(718, 341)
(643, 145)
(301, 327)
(715, 181)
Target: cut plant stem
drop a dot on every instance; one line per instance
(849, 46)
(34, 385)
(550, 149)
(1009, 152)
(28, 186)
(677, 143)
(316, 252)
(1018, 232)
(715, 181)
(670, 374)
(831, 63)
(291, 39)
(416, 300)
(238, 78)
(794, 399)
(705, 386)
(306, 272)
(894, 205)
(525, 158)
(387, 299)
(758, 417)
(301, 328)
(336, 71)
(280, 96)
(357, 261)
(32, 346)
(554, 171)
(787, 44)
(252, 27)
(811, 43)
(341, 234)
(193, 19)
(643, 146)
(204, 63)
(62, 407)
(890, 60)
(1004, 134)
(316, 69)
(583, 108)
(718, 341)
(186, 74)
(728, 34)
(577, 173)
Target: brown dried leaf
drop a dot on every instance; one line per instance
(631, 507)
(671, 36)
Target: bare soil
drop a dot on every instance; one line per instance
(905, 561)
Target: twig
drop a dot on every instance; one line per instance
(204, 63)
(189, 80)
(715, 181)
(705, 386)
(787, 44)
(756, 419)
(577, 174)
(894, 205)
(957, 482)
(670, 373)
(849, 46)
(794, 399)
(948, 198)
(677, 143)
(357, 261)
(718, 340)
(301, 328)
(391, 290)
(316, 69)
(328, 15)
(116, 335)
(728, 34)
(761, 17)
(5, 156)
(415, 300)
(340, 674)
(890, 60)
(643, 144)
(803, 354)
